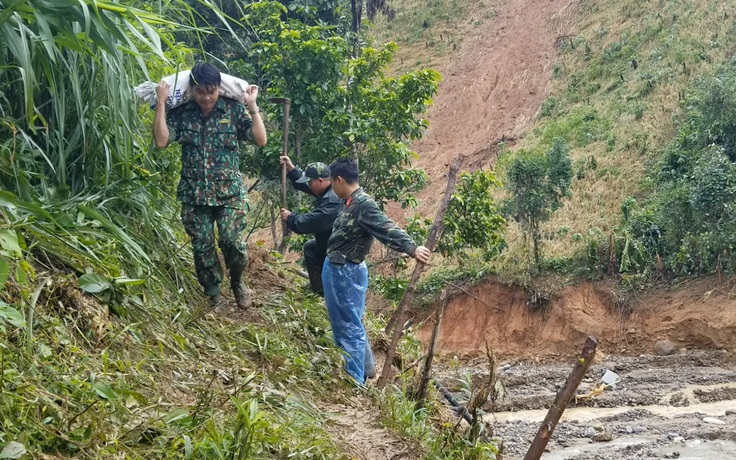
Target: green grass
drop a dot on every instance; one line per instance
(616, 91)
(167, 381)
(429, 32)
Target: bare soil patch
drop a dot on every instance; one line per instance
(353, 425)
(493, 86)
(697, 314)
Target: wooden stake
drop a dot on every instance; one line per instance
(400, 315)
(284, 152)
(562, 400)
(422, 392)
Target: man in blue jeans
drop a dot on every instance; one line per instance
(344, 274)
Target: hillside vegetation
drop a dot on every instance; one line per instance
(639, 91)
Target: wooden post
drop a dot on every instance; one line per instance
(400, 315)
(562, 400)
(284, 152)
(422, 392)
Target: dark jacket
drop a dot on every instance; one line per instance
(318, 221)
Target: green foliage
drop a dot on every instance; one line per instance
(581, 127)
(173, 383)
(537, 184)
(390, 287)
(471, 272)
(690, 220)
(341, 105)
(473, 219)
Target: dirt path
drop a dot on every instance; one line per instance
(681, 406)
(493, 85)
(354, 427)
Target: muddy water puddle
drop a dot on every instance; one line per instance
(586, 414)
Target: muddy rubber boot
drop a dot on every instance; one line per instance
(242, 295)
(216, 303)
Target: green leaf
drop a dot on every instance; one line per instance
(93, 283)
(4, 272)
(11, 315)
(175, 415)
(187, 447)
(20, 275)
(130, 281)
(105, 392)
(9, 242)
(13, 450)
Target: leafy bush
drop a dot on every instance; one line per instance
(472, 220)
(690, 221)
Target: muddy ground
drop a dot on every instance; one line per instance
(680, 406)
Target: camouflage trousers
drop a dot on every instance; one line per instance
(199, 223)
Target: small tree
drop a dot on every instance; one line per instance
(472, 221)
(537, 184)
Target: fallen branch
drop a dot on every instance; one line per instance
(562, 400)
(459, 408)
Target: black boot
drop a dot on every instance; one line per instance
(242, 294)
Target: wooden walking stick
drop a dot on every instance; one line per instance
(284, 152)
(400, 315)
(562, 400)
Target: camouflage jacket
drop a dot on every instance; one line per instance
(357, 223)
(319, 221)
(210, 159)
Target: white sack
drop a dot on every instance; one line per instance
(180, 93)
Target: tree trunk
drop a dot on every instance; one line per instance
(535, 242)
(422, 393)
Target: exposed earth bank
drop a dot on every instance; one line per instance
(697, 314)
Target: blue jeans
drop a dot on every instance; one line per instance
(345, 287)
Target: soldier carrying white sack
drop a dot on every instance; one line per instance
(211, 188)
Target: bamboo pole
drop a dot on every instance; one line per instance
(400, 315)
(562, 400)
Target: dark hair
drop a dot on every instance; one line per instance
(346, 168)
(205, 74)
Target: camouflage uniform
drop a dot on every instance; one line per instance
(319, 221)
(211, 188)
(345, 275)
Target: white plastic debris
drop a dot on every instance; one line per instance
(611, 379)
(713, 420)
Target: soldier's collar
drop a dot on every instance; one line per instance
(353, 195)
(220, 105)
